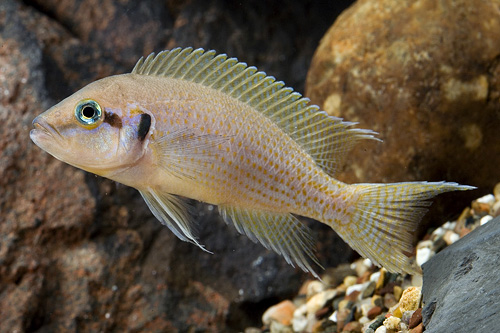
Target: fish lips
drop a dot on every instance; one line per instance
(43, 132)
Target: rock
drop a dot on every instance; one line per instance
(350, 281)
(398, 291)
(281, 312)
(461, 284)
(368, 290)
(404, 70)
(353, 327)
(416, 318)
(374, 312)
(299, 320)
(381, 329)
(418, 329)
(314, 287)
(389, 300)
(424, 252)
(277, 327)
(81, 253)
(319, 300)
(407, 316)
(392, 323)
(410, 299)
(450, 237)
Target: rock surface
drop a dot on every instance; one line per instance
(426, 76)
(461, 284)
(81, 253)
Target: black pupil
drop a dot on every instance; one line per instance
(88, 111)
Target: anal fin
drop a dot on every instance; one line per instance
(282, 233)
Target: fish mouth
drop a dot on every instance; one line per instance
(42, 130)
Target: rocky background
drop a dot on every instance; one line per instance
(81, 253)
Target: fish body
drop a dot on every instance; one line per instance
(191, 124)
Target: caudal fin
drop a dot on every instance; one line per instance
(384, 217)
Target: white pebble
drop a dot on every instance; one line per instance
(439, 232)
(423, 255)
(356, 287)
(333, 317)
(314, 287)
(392, 323)
(299, 321)
(487, 199)
(381, 329)
(449, 225)
(485, 219)
(375, 276)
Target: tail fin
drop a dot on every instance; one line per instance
(384, 217)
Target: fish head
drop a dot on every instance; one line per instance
(95, 129)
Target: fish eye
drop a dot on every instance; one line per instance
(88, 112)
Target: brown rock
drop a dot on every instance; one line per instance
(416, 74)
(281, 312)
(353, 327)
(416, 318)
(418, 329)
(374, 312)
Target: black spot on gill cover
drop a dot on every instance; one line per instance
(112, 119)
(144, 126)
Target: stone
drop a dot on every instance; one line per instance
(398, 291)
(299, 320)
(389, 300)
(424, 252)
(416, 318)
(392, 323)
(82, 253)
(353, 327)
(450, 237)
(314, 287)
(404, 69)
(418, 329)
(461, 284)
(319, 300)
(407, 316)
(281, 312)
(368, 290)
(277, 327)
(374, 312)
(381, 329)
(350, 281)
(377, 300)
(410, 299)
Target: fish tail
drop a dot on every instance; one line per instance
(381, 218)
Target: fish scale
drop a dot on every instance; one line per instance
(192, 124)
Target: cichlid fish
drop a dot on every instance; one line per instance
(192, 124)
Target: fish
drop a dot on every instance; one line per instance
(190, 124)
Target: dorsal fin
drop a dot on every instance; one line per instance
(327, 139)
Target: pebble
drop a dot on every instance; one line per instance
(319, 300)
(397, 291)
(450, 237)
(410, 299)
(392, 323)
(418, 329)
(416, 318)
(424, 253)
(389, 300)
(485, 219)
(281, 312)
(407, 316)
(374, 312)
(381, 329)
(314, 287)
(277, 327)
(350, 281)
(353, 326)
(369, 289)
(377, 301)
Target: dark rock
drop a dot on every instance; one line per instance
(416, 318)
(418, 76)
(461, 284)
(81, 253)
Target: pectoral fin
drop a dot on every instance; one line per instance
(173, 212)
